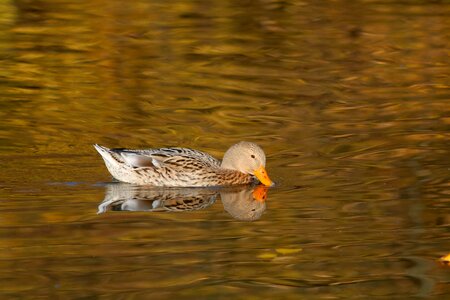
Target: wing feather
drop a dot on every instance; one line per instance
(164, 157)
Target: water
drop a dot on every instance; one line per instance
(348, 100)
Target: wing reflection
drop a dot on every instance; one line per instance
(242, 203)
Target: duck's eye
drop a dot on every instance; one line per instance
(252, 156)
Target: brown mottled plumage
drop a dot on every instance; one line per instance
(183, 167)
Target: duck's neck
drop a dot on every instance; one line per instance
(229, 161)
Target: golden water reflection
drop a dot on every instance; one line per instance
(245, 203)
(348, 99)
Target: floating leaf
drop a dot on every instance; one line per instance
(267, 255)
(287, 251)
(445, 259)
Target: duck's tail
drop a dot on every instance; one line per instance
(108, 155)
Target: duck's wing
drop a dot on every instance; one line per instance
(166, 157)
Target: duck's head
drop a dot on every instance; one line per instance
(247, 158)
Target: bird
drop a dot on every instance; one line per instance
(243, 163)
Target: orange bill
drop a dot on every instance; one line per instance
(262, 176)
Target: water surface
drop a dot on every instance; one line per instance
(349, 100)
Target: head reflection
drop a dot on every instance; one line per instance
(246, 203)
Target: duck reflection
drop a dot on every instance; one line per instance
(246, 203)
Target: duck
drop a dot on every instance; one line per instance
(243, 163)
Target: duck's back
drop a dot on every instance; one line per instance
(186, 153)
